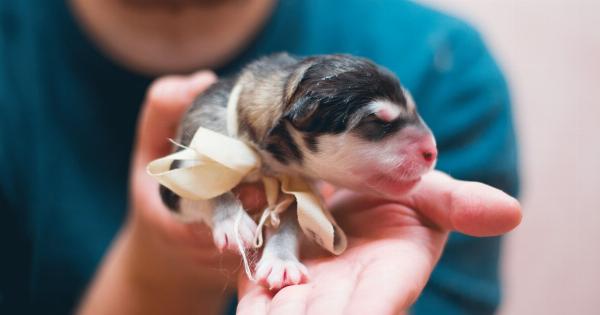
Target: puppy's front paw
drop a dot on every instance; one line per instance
(277, 273)
(224, 232)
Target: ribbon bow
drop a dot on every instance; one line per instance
(216, 163)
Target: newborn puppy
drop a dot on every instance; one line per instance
(336, 118)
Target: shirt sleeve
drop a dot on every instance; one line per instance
(14, 277)
(469, 111)
(14, 241)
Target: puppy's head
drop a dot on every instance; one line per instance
(351, 123)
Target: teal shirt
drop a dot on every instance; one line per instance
(68, 114)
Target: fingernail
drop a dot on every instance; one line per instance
(197, 83)
(202, 78)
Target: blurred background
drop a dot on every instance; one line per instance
(550, 52)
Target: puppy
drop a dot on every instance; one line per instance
(336, 118)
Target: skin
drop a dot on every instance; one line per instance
(158, 265)
(393, 247)
(174, 35)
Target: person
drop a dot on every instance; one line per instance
(83, 229)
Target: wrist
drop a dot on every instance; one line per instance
(160, 261)
(140, 276)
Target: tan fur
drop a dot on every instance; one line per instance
(294, 80)
(265, 100)
(263, 106)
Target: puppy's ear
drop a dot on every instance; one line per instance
(301, 112)
(298, 107)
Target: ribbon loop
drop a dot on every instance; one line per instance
(214, 164)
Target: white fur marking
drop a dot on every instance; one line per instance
(232, 103)
(410, 102)
(385, 110)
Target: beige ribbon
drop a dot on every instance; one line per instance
(215, 163)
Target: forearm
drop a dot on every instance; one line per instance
(139, 277)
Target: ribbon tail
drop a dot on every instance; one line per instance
(313, 218)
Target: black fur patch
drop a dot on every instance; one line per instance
(337, 88)
(169, 198)
(312, 143)
(282, 146)
(248, 130)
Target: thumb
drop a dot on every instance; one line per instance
(166, 101)
(472, 208)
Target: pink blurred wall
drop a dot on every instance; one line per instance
(550, 51)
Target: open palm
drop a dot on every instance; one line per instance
(392, 249)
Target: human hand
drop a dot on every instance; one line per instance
(187, 245)
(392, 248)
(157, 265)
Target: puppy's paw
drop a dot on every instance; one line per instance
(276, 273)
(224, 232)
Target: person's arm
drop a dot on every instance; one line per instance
(139, 276)
(15, 244)
(14, 239)
(157, 265)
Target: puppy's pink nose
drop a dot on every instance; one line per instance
(427, 149)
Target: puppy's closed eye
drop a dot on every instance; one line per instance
(373, 128)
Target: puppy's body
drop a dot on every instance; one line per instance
(336, 118)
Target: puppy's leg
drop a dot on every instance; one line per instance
(219, 213)
(279, 265)
(227, 212)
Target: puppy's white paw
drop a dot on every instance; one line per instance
(224, 233)
(277, 273)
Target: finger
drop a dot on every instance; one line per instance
(326, 189)
(166, 101)
(253, 299)
(290, 300)
(252, 196)
(468, 207)
(331, 293)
